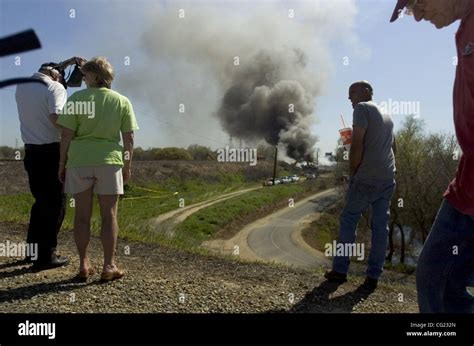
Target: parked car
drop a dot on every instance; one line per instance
(294, 178)
(285, 180)
(268, 182)
(311, 176)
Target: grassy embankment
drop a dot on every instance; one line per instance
(140, 203)
(232, 214)
(325, 230)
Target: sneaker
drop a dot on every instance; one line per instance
(370, 283)
(334, 276)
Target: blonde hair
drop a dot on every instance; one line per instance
(102, 69)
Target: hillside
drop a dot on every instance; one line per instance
(162, 279)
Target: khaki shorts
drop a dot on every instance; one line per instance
(106, 179)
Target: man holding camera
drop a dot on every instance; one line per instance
(38, 108)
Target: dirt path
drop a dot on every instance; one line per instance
(166, 223)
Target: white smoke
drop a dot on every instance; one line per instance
(191, 61)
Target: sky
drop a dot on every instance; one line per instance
(407, 63)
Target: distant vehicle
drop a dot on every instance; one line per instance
(310, 176)
(285, 180)
(294, 178)
(269, 182)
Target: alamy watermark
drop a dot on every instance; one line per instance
(336, 249)
(84, 108)
(393, 107)
(237, 155)
(37, 329)
(12, 249)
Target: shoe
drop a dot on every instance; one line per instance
(55, 262)
(109, 276)
(370, 283)
(334, 276)
(26, 260)
(84, 275)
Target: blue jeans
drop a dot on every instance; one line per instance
(362, 194)
(446, 264)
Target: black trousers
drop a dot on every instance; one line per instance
(47, 213)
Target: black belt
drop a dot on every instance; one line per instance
(40, 147)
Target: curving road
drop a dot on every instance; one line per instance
(277, 237)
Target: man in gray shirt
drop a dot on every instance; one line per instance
(371, 184)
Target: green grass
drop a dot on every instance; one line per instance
(137, 206)
(203, 224)
(142, 203)
(326, 230)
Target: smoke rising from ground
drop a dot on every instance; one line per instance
(283, 61)
(272, 98)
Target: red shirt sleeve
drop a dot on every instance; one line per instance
(467, 56)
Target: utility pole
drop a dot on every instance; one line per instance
(275, 165)
(317, 161)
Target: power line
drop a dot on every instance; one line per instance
(179, 127)
(182, 129)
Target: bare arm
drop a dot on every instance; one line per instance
(67, 135)
(357, 149)
(128, 141)
(54, 120)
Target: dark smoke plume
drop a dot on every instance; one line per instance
(282, 61)
(271, 98)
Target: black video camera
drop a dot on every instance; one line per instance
(74, 79)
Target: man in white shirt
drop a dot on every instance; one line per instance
(38, 108)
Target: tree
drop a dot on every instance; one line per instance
(9, 153)
(425, 166)
(201, 153)
(170, 153)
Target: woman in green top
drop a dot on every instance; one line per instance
(93, 161)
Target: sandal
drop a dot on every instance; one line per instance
(109, 276)
(84, 275)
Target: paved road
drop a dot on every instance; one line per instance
(279, 238)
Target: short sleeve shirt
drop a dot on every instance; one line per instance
(378, 161)
(97, 116)
(36, 103)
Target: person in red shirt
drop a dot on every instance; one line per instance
(446, 264)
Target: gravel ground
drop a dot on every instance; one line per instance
(162, 279)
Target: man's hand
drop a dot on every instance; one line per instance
(62, 173)
(357, 149)
(79, 60)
